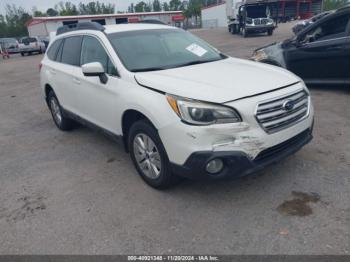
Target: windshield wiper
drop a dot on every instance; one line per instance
(148, 69)
(196, 62)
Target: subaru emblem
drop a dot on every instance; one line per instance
(288, 105)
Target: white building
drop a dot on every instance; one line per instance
(214, 16)
(43, 26)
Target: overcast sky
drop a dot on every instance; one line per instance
(43, 5)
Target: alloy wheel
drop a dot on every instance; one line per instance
(56, 111)
(147, 156)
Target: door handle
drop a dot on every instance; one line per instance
(76, 81)
(53, 71)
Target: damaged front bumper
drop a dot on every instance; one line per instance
(237, 163)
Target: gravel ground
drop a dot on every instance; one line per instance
(78, 193)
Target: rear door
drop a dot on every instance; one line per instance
(319, 56)
(66, 70)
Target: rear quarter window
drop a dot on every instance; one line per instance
(71, 50)
(52, 52)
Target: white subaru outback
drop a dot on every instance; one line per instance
(180, 106)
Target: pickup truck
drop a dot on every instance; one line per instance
(29, 45)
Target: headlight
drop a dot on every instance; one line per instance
(259, 55)
(200, 113)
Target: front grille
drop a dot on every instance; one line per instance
(282, 112)
(260, 21)
(280, 148)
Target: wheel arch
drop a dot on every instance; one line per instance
(47, 90)
(129, 117)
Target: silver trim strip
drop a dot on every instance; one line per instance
(265, 125)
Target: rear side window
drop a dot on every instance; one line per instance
(93, 51)
(71, 50)
(52, 52)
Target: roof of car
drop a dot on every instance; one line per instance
(110, 29)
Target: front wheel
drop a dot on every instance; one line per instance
(149, 156)
(269, 32)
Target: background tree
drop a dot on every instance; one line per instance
(156, 6)
(166, 6)
(15, 18)
(143, 7)
(175, 5)
(51, 12)
(3, 26)
(37, 13)
(95, 8)
(66, 8)
(334, 4)
(131, 8)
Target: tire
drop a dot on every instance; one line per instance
(40, 51)
(234, 29)
(269, 32)
(62, 122)
(149, 156)
(22, 54)
(244, 32)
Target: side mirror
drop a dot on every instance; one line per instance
(95, 69)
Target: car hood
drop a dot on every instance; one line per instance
(275, 52)
(221, 81)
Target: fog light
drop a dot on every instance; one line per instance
(215, 166)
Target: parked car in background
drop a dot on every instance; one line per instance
(10, 44)
(179, 106)
(305, 23)
(29, 45)
(45, 39)
(320, 54)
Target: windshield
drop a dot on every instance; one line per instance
(159, 49)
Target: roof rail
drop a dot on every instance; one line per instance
(151, 21)
(344, 7)
(80, 26)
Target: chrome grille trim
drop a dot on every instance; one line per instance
(260, 21)
(272, 117)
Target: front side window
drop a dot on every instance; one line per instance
(330, 29)
(146, 50)
(93, 51)
(71, 50)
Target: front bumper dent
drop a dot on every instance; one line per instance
(236, 163)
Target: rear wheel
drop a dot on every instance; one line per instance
(269, 32)
(149, 156)
(244, 32)
(22, 53)
(62, 122)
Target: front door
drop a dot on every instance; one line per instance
(318, 55)
(98, 102)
